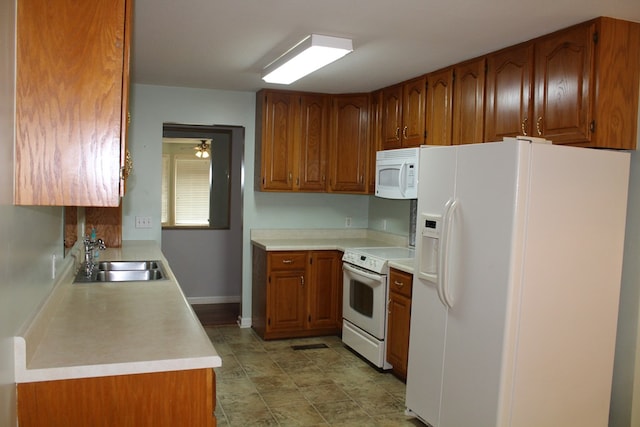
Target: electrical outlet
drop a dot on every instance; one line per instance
(347, 222)
(143, 222)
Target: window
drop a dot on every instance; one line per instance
(195, 187)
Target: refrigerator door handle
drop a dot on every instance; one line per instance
(443, 258)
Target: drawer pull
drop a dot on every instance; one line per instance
(398, 284)
(287, 261)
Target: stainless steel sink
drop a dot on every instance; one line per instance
(128, 265)
(122, 271)
(128, 275)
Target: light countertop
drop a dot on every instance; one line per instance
(91, 330)
(316, 240)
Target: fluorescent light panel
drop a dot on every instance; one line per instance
(311, 54)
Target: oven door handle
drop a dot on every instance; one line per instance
(353, 270)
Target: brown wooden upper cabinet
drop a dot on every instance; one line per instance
(349, 143)
(403, 114)
(455, 104)
(571, 87)
(71, 97)
(509, 93)
(586, 84)
(439, 106)
(291, 141)
(468, 102)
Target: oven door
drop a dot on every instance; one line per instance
(365, 299)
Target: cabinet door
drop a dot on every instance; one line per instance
(509, 93)
(349, 143)
(375, 126)
(277, 139)
(391, 117)
(69, 98)
(468, 102)
(413, 112)
(399, 321)
(325, 290)
(286, 296)
(564, 84)
(312, 143)
(439, 115)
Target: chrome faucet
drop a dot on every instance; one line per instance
(90, 245)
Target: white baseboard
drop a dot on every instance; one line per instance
(213, 300)
(244, 322)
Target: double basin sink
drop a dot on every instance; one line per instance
(122, 271)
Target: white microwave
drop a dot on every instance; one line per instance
(397, 173)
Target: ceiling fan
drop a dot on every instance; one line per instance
(202, 149)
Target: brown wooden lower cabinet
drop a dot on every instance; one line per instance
(296, 293)
(171, 399)
(399, 318)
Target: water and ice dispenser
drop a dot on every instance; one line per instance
(430, 232)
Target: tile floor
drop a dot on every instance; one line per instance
(268, 383)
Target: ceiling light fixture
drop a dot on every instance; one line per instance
(312, 53)
(202, 150)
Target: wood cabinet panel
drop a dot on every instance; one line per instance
(403, 114)
(325, 290)
(399, 321)
(349, 143)
(312, 146)
(159, 399)
(413, 112)
(291, 141)
(563, 76)
(439, 105)
(298, 298)
(584, 76)
(375, 125)
(392, 117)
(71, 59)
(286, 296)
(276, 114)
(509, 93)
(468, 102)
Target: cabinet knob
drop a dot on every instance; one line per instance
(301, 280)
(404, 132)
(397, 134)
(524, 126)
(539, 126)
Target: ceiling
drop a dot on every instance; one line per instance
(224, 44)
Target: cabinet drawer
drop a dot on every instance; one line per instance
(400, 282)
(287, 260)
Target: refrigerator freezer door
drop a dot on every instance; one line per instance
(436, 185)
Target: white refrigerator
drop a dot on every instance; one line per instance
(516, 284)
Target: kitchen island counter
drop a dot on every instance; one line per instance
(104, 329)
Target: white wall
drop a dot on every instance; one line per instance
(29, 236)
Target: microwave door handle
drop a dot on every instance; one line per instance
(402, 179)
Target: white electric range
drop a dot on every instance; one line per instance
(365, 296)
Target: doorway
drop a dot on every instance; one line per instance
(206, 256)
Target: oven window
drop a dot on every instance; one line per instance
(361, 298)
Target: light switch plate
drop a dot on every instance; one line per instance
(143, 222)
